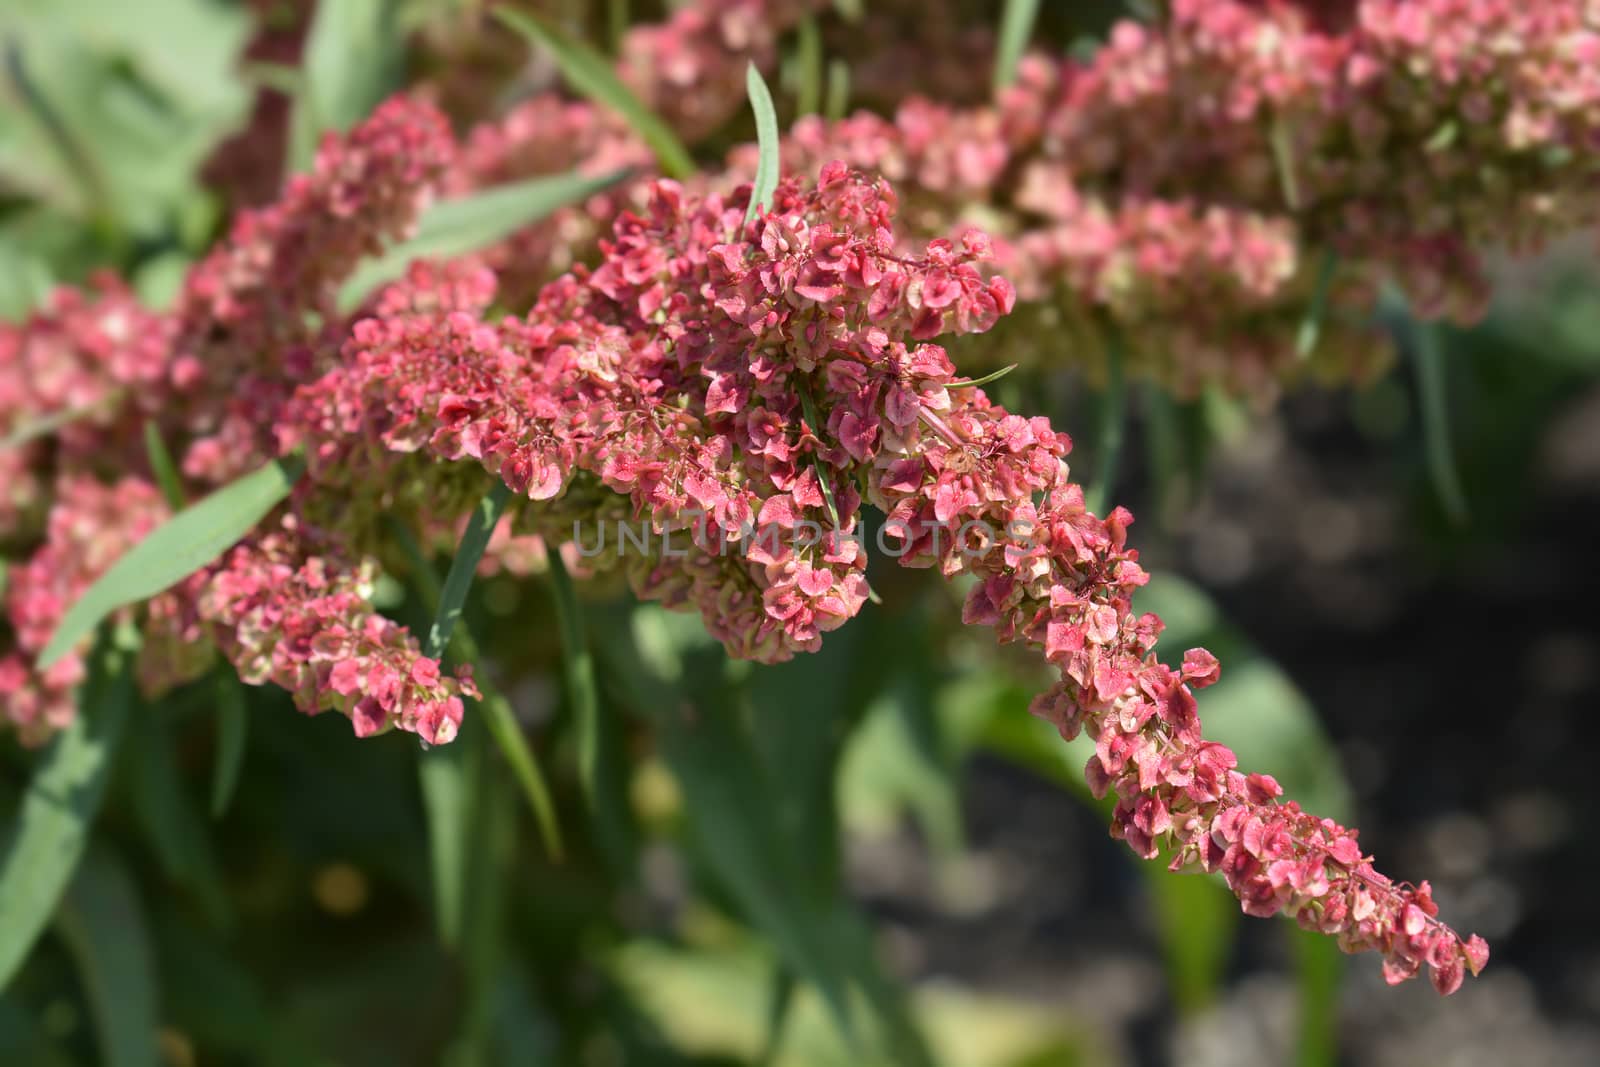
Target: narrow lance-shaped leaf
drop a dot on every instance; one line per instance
(1016, 26)
(766, 140)
(103, 925)
(469, 223)
(808, 61)
(354, 57)
(43, 846)
(1429, 353)
(1423, 342)
(447, 603)
(1311, 328)
(233, 728)
(161, 465)
(174, 550)
(838, 98)
(592, 76)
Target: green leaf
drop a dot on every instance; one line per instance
(456, 227)
(736, 816)
(43, 846)
(766, 140)
(1311, 328)
(123, 103)
(448, 603)
(174, 550)
(25, 281)
(354, 57)
(1016, 26)
(592, 76)
(103, 925)
(838, 98)
(169, 817)
(464, 567)
(1429, 354)
(808, 59)
(601, 767)
(233, 729)
(162, 467)
(728, 799)
(446, 773)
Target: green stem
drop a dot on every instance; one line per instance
(445, 602)
(1429, 354)
(578, 662)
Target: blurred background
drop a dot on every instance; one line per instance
(887, 805)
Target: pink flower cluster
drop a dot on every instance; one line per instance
(90, 526)
(732, 380)
(254, 319)
(260, 312)
(302, 620)
(672, 373)
(87, 358)
(690, 69)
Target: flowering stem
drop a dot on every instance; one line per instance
(498, 714)
(809, 406)
(1112, 424)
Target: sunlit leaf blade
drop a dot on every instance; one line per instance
(43, 846)
(103, 925)
(467, 224)
(1016, 26)
(174, 550)
(233, 729)
(591, 75)
(766, 140)
(781, 1000)
(24, 281)
(354, 56)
